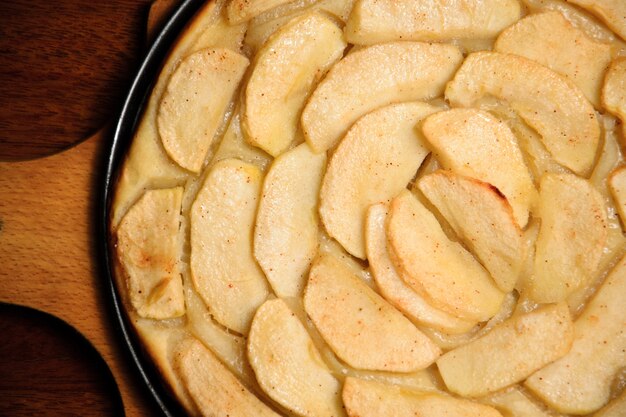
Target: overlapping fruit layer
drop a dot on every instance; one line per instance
(384, 208)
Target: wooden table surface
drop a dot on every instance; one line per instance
(49, 256)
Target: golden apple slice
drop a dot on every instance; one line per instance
(571, 238)
(263, 26)
(360, 326)
(287, 364)
(239, 11)
(579, 18)
(509, 353)
(513, 402)
(614, 90)
(616, 408)
(611, 12)
(549, 39)
(561, 114)
(376, 21)
(286, 232)
(580, 382)
(373, 77)
(223, 269)
(376, 159)
(466, 140)
(285, 71)
(391, 285)
(148, 246)
(195, 101)
(482, 217)
(364, 398)
(214, 389)
(617, 186)
(229, 348)
(439, 269)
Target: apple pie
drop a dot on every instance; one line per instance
(383, 208)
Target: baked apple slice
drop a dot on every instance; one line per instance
(148, 246)
(509, 353)
(614, 90)
(194, 103)
(223, 270)
(514, 402)
(286, 231)
(561, 114)
(611, 12)
(571, 238)
(439, 269)
(363, 329)
(362, 398)
(372, 77)
(482, 217)
(466, 140)
(377, 21)
(287, 364)
(263, 26)
(391, 285)
(553, 41)
(213, 388)
(285, 71)
(580, 382)
(376, 160)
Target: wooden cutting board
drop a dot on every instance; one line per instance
(48, 237)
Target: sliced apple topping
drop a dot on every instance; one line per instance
(551, 40)
(617, 186)
(285, 71)
(614, 90)
(213, 388)
(376, 21)
(393, 288)
(509, 353)
(286, 231)
(148, 247)
(263, 26)
(288, 366)
(482, 217)
(360, 326)
(561, 114)
(364, 398)
(594, 28)
(611, 12)
(571, 238)
(466, 140)
(240, 11)
(195, 101)
(373, 77)
(376, 159)
(223, 270)
(580, 382)
(439, 269)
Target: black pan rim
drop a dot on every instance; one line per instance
(123, 131)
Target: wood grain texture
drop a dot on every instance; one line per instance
(64, 68)
(49, 257)
(66, 378)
